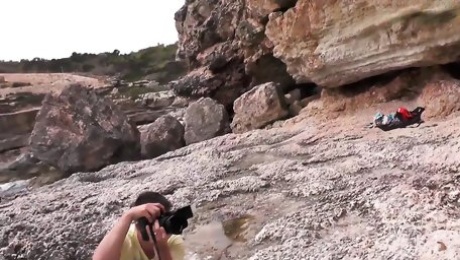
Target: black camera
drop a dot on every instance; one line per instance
(173, 222)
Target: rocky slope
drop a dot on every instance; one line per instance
(317, 190)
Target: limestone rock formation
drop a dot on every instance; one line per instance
(223, 87)
(205, 119)
(81, 131)
(224, 43)
(322, 190)
(164, 135)
(258, 107)
(232, 46)
(333, 43)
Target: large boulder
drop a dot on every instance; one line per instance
(81, 131)
(333, 43)
(223, 87)
(205, 119)
(164, 135)
(258, 107)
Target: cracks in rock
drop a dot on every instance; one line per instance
(364, 85)
(92, 178)
(173, 156)
(324, 160)
(251, 159)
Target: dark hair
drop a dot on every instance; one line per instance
(152, 197)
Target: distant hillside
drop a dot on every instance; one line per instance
(156, 63)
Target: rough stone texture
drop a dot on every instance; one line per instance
(258, 107)
(333, 43)
(28, 168)
(292, 96)
(160, 99)
(205, 119)
(164, 135)
(81, 131)
(295, 108)
(440, 95)
(23, 167)
(203, 83)
(17, 123)
(15, 142)
(225, 45)
(12, 188)
(322, 190)
(15, 128)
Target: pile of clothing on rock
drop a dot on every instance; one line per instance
(399, 119)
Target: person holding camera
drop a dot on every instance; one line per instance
(125, 242)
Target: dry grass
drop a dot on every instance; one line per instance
(42, 83)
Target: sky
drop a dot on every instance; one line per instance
(56, 28)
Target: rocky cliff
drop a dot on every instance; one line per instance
(225, 44)
(235, 45)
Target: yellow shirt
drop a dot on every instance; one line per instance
(132, 250)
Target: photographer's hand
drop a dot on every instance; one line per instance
(160, 234)
(151, 211)
(162, 241)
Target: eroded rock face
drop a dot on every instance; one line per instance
(205, 119)
(333, 43)
(81, 131)
(258, 107)
(440, 95)
(223, 87)
(431, 87)
(225, 44)
(164, 135)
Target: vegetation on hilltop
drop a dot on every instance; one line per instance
(156, 63)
